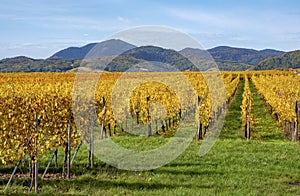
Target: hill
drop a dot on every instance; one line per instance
(100, 54)
(25, 64)
(241, 55)
(284, 61)
(94, 50)
(67, 59)
(150, 58)
(203, 59)
(233, 66)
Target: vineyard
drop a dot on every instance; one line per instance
(50, 116)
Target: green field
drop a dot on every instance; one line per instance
(266, 165)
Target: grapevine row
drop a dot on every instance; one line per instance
(49, 96)
(281, 92)
(246, 107)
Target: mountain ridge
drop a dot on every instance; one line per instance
(283, 61)
(94, 50)
(26, 64)
(226, 57)
(150, 58)
(242, 55)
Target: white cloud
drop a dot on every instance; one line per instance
(242, 27)
(77, 22)
(123, 20)
(244, 20)
(203, 17)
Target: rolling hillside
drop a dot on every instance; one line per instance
(125, 54)
(25, 64)
(203, 57)
(241, 55)
(284, 61)
(150, 58)
(94, 50)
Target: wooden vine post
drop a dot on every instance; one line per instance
(149, 130)
(246, 108)
(91, 142)
(67, 153)
(35, 156)
(199, 126)
(295, 133)
(247, 125)
(69, 148)
(103, 131)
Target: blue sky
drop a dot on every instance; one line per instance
(39, 28)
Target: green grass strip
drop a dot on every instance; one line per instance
(232, 123)
(264, 127)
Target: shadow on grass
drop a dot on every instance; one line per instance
(190, 172)
(188, 164)
(106, 184)
(90, 179)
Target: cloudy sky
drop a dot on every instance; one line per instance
(39, 28)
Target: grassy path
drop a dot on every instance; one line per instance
(232, 128)
(264, 125)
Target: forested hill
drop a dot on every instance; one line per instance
(241, 55)
(151, 58)
(227, 58)
(284, 61)
(94, 50)
(25, 64)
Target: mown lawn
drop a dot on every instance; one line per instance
(231, 167)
